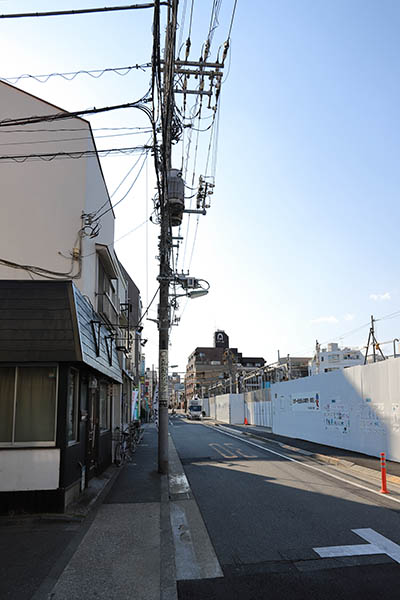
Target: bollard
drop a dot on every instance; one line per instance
(384, 489)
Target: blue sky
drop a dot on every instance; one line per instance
(301, 242)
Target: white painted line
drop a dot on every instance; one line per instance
(357, 485)
(178, 484)
(356, 550)
(186, 563)
(386, 546)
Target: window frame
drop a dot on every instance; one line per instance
(36, 444)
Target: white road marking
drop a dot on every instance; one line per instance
(357, 485)
(355, 550)
(378, 545)
(385, 545)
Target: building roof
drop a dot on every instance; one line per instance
(51, 321)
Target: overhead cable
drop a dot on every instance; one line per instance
(80, 11)
(70, 76)
(77, 154)
(125, 195)
(71, 139)
(56, 129)
(70, 115)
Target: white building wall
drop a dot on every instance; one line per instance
(96, 195)
(29, 469)
(356, 409)
(42, 201)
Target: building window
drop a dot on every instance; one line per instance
(334, 358)
(72, 406)
(107, 291)
(28, 405)
(105, 397)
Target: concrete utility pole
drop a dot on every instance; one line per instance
(165, 236)
(171, 188)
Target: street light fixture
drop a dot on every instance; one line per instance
(197, 293)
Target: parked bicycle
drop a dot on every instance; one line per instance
(127, 441)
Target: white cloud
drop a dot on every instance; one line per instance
(348, 317)
(379, 297)
(330, 319)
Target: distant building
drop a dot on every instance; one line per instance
(333, 358)
(208, 365)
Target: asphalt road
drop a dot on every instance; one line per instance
(265, 516)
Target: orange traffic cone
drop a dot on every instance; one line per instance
(246, 421)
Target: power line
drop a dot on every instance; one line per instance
(55, 130)
(71, 139)
(119, 239)
(125, 195)
(125, 178)
(232, 19)
(76, 155)
(70, 115)
(70, 76)
(79, 11)
(148, 308)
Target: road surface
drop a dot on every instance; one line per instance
(284, 528)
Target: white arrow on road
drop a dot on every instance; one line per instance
(378, 544)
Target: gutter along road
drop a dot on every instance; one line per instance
(284, 526)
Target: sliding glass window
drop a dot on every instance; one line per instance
(28, 401)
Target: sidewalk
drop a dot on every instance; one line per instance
(328, 454)
(126, 552)
(131, 536)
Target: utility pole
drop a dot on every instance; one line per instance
(165, 236)
(375, 345)
(170, 183)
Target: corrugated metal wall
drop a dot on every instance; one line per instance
(258, 408)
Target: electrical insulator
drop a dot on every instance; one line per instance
(175, 196)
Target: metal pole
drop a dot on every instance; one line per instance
(373, 337)
(165, 238)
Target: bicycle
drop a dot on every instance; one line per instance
(136, 432)
(124, 448)
(127, 442)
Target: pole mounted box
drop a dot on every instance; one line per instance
(175, 196)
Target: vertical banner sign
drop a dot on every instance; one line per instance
(135, 405)
(163, 372)
(155, 405)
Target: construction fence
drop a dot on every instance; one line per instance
(357, 408)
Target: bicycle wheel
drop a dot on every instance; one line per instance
(138, 435)
(118, 455)
(132, 447)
